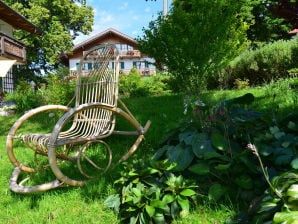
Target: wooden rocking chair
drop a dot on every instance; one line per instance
(76, 141)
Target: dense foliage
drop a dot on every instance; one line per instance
(259, 66)
(135, 85)
(210, 154)
(59, 21)
(193, 41)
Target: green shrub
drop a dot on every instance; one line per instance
(135, 85)
(264, 64)
(148, 194)
(59, 90)
(25, 97)
(211, 148)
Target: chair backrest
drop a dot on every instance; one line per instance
(97, 82)
(98, 76)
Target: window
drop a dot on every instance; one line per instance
(146, 64)
(134, 64)
(89, 66)
(122, 65)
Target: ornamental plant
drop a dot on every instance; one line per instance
(148, 194)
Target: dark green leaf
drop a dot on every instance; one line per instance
(219, 141)
(216, 191)
(244, 181)
(200, 168)
(294, 163)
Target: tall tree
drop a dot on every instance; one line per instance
(196, 38)
(268, 24)
(60, 22)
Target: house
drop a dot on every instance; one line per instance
(12, 51)
(130, 56)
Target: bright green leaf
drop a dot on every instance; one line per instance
(188, 192)
(184, 203)
(150, 210)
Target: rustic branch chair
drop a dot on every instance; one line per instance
(76, 142)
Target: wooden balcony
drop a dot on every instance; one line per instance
(12, 49)
(130, 54)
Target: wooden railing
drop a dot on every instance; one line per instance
(12, 49)
(130, 54)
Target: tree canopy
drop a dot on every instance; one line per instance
(196, 38)
(60, 22)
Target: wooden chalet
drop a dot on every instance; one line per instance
(130, 56)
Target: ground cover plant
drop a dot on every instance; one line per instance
(173, 183)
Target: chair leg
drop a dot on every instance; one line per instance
(19, 188)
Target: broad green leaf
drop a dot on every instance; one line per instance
(274, 129)
(150, 210)
(216, 191)
(160, 152)
(188, 192)
(287, 217)
(184, 203)
(201, 144)
(294, 163)
(158, 218)
(219, 141)
(113, 201)
(137, 192)
(212, 155)
(187, 136)
(293, 192)
(181, 155)
(223, 166)
(291, 125)
(168, 198)
(244, 181)
(267, 206)
(283, 159)
(200, 168)
(279, 134)
(158, 204)
(285, 144)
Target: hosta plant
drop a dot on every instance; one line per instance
(150, 195)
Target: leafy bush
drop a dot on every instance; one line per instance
(211, 148)
(59, 90)
(149, 194)
(25, 97)
(264, 64)
(136, 86)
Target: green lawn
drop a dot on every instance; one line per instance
(85, 205)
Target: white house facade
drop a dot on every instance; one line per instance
(130, 56)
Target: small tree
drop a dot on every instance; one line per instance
(196, 38)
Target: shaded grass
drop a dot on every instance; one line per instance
(85, 205)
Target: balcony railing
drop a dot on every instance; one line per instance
(130, 54)
(12, 49)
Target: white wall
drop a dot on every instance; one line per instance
(6, 28)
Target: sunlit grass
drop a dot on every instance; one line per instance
(85, 205)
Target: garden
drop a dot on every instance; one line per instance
(223, 143)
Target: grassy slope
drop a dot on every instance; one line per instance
(85, 205)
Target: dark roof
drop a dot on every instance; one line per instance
(102, 35)
(16, 20)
